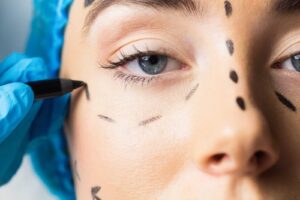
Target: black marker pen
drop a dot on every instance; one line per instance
(51, 88)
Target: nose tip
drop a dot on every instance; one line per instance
(239, 148)
(226, 163)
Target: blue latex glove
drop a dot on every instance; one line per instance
(17, 110)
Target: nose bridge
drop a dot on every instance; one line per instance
(233, 135)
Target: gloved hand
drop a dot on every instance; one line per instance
(17, 110)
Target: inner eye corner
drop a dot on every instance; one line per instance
(276, 65)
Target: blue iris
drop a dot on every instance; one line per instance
(153, 64)
(296, 62)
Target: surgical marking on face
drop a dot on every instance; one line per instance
(150, 120)
(286, 102)
(241, 103)
(87, 92)
(94, 192)
(88, 2)
(192, 92)
(228, 8)
(234, 76)
(230, 47)
(76, 170)
(108, 119)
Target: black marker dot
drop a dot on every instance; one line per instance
(88, 2)
(286, 102)
(228, 8)
(234, 76)
(230, 46)
(241, 103)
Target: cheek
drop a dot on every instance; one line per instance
(114, 154)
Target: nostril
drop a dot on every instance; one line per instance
(261, 160)
(218, 158)
(219, 164)
(223, 163)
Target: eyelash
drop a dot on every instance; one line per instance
(132, 78)
(277, 65)
(125, 59)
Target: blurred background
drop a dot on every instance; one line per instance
(15, 18)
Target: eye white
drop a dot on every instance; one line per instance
(292, 63)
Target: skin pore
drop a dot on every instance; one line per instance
(177, 110)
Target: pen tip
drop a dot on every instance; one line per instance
(77, 84)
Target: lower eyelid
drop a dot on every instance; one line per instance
(169, 77)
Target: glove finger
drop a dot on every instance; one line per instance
(10, 61)
(28, 69)
(16, 144)
(16, 100)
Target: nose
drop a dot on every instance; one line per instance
(239, 144)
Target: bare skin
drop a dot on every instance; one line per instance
(237, 136)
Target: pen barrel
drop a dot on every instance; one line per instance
(50, 88)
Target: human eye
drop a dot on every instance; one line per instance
(143, 65)
(291, 62)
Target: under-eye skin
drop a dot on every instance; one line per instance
(230, 46)
(134, 79)
(286, 102)
(228, 8)
(94, 192)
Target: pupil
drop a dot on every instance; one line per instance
(153, 64)
(153, 60)
(296, 62)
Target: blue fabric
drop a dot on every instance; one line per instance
(49, 155)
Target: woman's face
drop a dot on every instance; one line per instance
(186, 100)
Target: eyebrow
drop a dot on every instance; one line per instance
(189, 7)
(287, 6)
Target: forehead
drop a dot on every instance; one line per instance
(198, 6)
(276, 4)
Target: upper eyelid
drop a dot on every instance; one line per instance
(286, 57)
(162, 51)
(126, 58)
(163, 48)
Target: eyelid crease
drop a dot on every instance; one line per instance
(284, 58)
(122, 56)
(286, 43)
